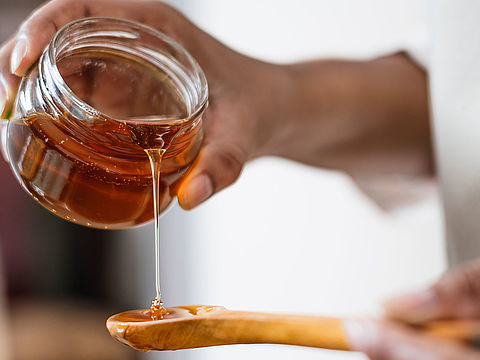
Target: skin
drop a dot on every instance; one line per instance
(455, 296)
(366, 118)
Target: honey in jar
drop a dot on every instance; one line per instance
(104, 93)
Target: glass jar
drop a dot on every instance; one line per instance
(104, 92)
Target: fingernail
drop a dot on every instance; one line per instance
(197, 191)
(361, 334)
(18, 53)
(3, 97)
(415, 306)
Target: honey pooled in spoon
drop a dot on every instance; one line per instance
(178, 312)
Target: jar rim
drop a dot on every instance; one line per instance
(51, 54)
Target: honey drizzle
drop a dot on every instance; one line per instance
(157, 310)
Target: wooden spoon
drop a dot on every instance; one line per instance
(195, 326)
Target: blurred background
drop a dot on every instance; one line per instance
(284, 238)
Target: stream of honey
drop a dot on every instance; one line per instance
(109, 171)
(157, 310)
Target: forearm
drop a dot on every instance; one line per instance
(362, 117)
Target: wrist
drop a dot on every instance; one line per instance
(301, 99)
(274, 102)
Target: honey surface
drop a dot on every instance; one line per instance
(144, 315)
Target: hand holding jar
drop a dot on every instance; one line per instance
(367, 118)
(231, 125)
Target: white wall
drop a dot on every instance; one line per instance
(286, 237)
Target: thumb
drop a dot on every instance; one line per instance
(455, 295)
(217, 166)
(8, 82)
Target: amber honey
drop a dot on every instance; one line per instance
(179, 312)
(96, 172)
(102, 179)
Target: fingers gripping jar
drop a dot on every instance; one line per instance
(103, 92)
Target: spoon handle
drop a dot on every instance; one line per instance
(236, 327)
(466, 331)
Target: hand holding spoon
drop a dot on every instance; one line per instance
(193, 326)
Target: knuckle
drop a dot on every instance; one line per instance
(163, 6)
(64, 2)
(469, 281)
(229, 164)
(4, 56)
(6, 48)
(47, 13)
(229, 161)
(464, 281)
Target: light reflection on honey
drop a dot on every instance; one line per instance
(144, 315)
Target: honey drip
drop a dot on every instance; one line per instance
(157, 311)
